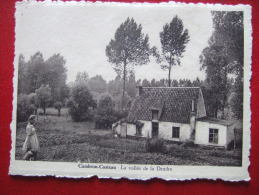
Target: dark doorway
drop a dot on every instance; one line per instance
(154, 129)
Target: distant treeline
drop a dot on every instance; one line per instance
(35, 72)
(99, 86)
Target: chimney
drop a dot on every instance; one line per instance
(139, 90)
(192, 121)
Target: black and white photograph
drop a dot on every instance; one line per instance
(131, 90)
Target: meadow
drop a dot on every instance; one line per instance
(63, 140)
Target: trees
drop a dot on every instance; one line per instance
(224, 56)
(97, 84)
(33, 102)
(24, 107)
(214, 62)
(58, 106)
(236, 101)
(105, 113)
(22, 81)
(43, 97)
(115, 86)
(131, 85)
(56, 77)
(80, 103)
(174, 83)
(197, 83)
(146, 83)
(82, 78)
(37, 72)
(128, 48)
(229, 32)
(173, 39)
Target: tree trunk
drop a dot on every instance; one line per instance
(169, 72)
(124, 80)
(59, 112)
(169, 76)
(224, 98)
(44, 110)
(224, 103)
(216, 111)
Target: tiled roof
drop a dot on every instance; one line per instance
(173, 103)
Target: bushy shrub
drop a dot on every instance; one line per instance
(155, 145)
(33, 102)
(73, 110)
(32, 97)
(24, 108)
(105, 113)
(58, 106)
(81, 104)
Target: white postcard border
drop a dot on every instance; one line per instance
(73, 170)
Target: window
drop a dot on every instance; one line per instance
(213, 136)
(176, 132)
(154, 114)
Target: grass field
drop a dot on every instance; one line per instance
(64, 140)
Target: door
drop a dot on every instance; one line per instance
(154, 129)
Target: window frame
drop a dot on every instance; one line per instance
(213, 136)
(177, 129)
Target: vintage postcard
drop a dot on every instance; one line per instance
(132, 90)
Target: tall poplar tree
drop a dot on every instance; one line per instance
(173, 39)
(129, 47)
(223, 56)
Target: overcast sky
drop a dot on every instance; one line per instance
(81, 33)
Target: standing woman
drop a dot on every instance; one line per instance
(31, 144)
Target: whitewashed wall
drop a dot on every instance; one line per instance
(202, 133)
(165, 130)
(225, 135)
(131, 129)
(146, 129)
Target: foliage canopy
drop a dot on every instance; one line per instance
(173, 39)
(129, 47)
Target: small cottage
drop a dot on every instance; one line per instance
(174, 113)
